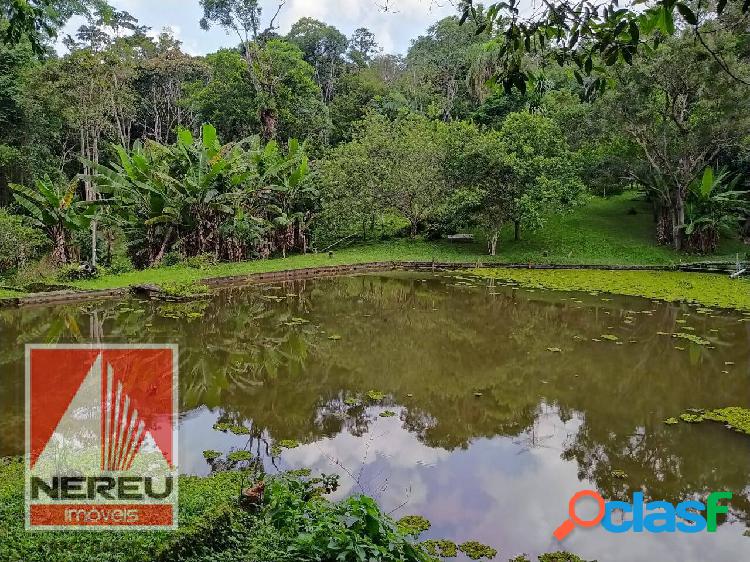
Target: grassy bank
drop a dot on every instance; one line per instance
(614, 231)
(699, 288)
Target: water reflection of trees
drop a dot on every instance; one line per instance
(464, 363)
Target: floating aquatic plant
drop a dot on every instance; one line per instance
(691, 418)
(283, 444)
(413, 525)
(610, 337)
(387, 414)
(239, 456)
(442, 548)
(476, 550)
(671, 421)
(692, 338)
(560, 557)
(375, 395)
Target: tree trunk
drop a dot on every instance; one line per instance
(517, 235)
(93, 243)
(60, 246)
(268, 124)
(679, 222)
(493, 242)
(163, 249)
(664, 227)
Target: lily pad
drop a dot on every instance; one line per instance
(388, 414)
(610, 337)
(554, 349)
(223, 426)
(692, 338)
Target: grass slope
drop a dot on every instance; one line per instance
(605, 232)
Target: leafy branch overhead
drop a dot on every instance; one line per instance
(589, 34)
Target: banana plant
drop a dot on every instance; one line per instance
(56, 210)
(715, 204)
(200, 197)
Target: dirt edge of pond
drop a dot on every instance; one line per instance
(74, 296)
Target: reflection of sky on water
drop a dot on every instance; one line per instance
(510, 493)
(494, 432)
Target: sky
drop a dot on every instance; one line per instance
(394, 29)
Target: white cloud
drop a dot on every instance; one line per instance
(394, 29)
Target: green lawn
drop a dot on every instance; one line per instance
(605, 232)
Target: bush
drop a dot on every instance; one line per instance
(36, 273)
(19, 243)
(77, 272)
(120, 264)
(201, 261)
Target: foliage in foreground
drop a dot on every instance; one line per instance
(296, 524)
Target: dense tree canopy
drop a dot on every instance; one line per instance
(492, 122)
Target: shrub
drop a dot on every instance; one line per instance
(35, 273)
(77, 272)
(19, 243)
(120, 264)
(201, 261)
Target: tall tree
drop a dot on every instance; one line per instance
(362, 47)
(323, 47)
(244, 19)
(684, 114)
(438, 66)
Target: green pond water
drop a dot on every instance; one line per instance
(504, 404)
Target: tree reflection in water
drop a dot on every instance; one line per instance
(459, 360)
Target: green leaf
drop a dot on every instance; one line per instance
(707, 183)
(210, 139)
(687, 13)
(184, 137)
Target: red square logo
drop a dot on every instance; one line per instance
(101, 437)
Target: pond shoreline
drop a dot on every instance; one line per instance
(74, 296)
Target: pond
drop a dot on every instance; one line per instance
(498, 403)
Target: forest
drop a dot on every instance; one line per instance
(119, 150)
